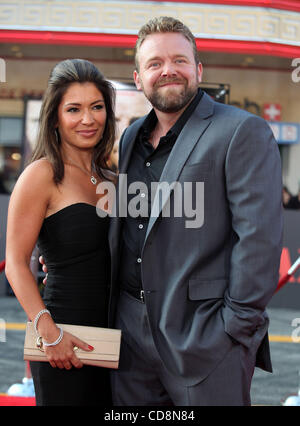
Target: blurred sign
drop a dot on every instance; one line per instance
(286, 133)
(272, 112)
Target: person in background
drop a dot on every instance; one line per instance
(113, 159)
(3, 189)
(290, 201)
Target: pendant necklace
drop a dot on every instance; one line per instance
(92, 178)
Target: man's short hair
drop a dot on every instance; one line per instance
(164, 24)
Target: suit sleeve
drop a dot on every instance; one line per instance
(254, 191)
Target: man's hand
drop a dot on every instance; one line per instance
(42, 262)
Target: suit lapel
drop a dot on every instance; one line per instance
(127, 144)
(188, 138)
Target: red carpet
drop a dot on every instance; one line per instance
(7, 400)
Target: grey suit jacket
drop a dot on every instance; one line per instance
(206, 288)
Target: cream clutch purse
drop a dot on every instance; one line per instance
(106, 343)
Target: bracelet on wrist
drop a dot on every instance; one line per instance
(57, 341)
(38, 316)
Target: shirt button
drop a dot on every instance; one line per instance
(141, 226)
(143, 195)
(139, 260)
(148, 164)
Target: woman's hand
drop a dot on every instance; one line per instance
(63, 354)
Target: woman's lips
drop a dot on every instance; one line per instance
(87, 133)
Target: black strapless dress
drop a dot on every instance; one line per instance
(74, 244)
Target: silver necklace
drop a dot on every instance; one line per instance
(92, 178)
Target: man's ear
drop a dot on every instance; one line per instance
(200, 71)
(136, 78)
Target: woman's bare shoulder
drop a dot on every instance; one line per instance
(36, 177)
(41, 169)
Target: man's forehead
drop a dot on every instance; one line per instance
(161, 43)
(169, 37)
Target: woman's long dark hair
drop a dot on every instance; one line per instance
(48, 141)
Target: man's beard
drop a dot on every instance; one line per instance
(172, 100)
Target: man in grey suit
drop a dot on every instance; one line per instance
(190, 295)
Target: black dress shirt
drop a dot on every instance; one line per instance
(146, 165)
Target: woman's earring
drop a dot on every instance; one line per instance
(56, 135)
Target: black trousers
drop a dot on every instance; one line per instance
(143, 380)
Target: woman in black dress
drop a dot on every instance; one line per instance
(54, 204)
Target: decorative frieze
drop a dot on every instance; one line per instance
(120, 17)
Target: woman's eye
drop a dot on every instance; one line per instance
(98, 107)
(73, 109)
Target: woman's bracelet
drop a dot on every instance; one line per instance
(38, 316)
(36, 319)
(57, 341)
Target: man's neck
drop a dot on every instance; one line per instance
(165, 121)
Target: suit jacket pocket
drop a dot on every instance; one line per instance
(207, 289)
